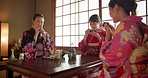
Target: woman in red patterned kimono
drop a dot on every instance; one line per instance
(36, 42)
(92, 42)
(117, 49)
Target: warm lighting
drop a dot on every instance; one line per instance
(4, 32)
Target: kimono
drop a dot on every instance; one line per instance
(89, 50)
(116, 52)
(92, 50)
(40, 48)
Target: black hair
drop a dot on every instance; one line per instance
(37, 15)
(127, 5)
(94, 18)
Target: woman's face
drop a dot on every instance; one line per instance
(94, 25)
(113, 13)
(38, 22)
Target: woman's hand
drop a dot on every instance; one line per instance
(109, 32)
(87, 31)
(85, 36)
(42, 31)
(44, 34)
(94, 34)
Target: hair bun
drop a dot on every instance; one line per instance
(94, 18)
(127, 5)
(134, 7)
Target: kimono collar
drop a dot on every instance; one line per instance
(32, 31)
(132, 19)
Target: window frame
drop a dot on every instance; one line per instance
(100, 14)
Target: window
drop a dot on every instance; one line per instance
(142, 10)
(105, 13)
(72, 18)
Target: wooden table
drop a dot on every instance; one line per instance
(3, 63)
(47, 68)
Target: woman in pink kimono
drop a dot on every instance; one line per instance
(117, 49)
(93, 38)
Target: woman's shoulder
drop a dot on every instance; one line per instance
(132, 21)
(30, 31)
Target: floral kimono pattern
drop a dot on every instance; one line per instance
(93, 51)
(89, 50)
(31, 49)
(115, 53)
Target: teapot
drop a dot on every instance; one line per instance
(72, 53)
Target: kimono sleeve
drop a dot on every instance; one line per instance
(82, 46)
(28, 46)
(118, 50)
(48, 46)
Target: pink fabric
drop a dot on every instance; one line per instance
(93, 51)
(91, 39)
(116, 52)
(31, 49)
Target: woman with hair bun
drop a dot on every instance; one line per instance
(36, 42)
(93, 38)
(117, 49)
(92, 41)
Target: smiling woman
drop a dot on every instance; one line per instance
(36, 42)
